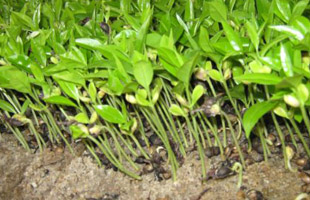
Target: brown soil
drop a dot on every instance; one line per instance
(58, 175)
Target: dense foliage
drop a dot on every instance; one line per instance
(99, 71)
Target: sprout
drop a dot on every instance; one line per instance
(291, 100)
(201, 74)
(181, 100)
(131, 98)
(95, 130)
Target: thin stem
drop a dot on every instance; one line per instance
(301, 137)
(291, 133)
(92, 151)
(232, 131)
(200, 148)
(118, 165)
(305, 118)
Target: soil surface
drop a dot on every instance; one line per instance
(59, 175)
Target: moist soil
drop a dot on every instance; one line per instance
(56, 174)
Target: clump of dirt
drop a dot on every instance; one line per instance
(59, 175)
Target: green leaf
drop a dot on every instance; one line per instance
(24, 106)
(284, 9)
(177, 110)
(281, 110)
(92, 91)
(38, 52)
(254, 113)
(6, 106)
(37, 72)
(259, 78)
(141, 97)
(110, 114)
(12, 78)
(218, 10)
(143, 72)
(197, 94)
(77, 132)
(301, 24)
(23, 19)
(290, 82)
(233, 37)
(81, 118)
(289, 30)
(286, 60)
(21, 62)
(60, 100)
(72, 76)
(253, 34)
(70, 89)
(299, 8)
(58, 7)
(184, 73)
(216, 75)
(204, 42)
(181, 22)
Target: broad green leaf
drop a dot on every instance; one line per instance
(257, 67)
(77, 132)
(233, 37)
(284, 9)
(23, 19)
(197, 93)
(108, 51)
(110, 114)
(289, 30)
(141, 97)
(59, 100)
(70, 89)
(24, 106)
(299, 8)
(72, 76)
(218, 10)
(170, 56)
(38, 52)
(290, 82)
(141, 34)
(58, 7)
(204, 40)
(181, 22)
(21, 62)
(153, 39)
(254, 113)
(281, 111)
(301, 24)
(259, 78)
(302, 93)
(37, 72)
(6, 106)
(92, 91)
(216, 75)
(121, 69)
(184, 73)
(253, 34)
(12, 78)
(81, 118)
(177, 110)
(286, 60)
(143, 72)
(115, 84)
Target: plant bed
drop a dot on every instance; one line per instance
(141, 85)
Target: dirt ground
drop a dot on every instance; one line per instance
(56, 175)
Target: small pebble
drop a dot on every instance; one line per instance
(305, 177)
